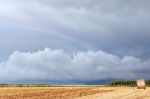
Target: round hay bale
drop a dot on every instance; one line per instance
(141, 84)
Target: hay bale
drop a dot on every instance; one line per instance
(141, 84)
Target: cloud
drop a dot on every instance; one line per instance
(57, 65)
(74, 26)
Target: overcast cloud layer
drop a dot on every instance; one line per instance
(118, 27)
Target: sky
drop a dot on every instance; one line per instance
(74, 41)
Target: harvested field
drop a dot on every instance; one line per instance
(74, 93)
(121, 93)
(48, 92)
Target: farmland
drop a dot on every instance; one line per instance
(82, 92)
(47, 92)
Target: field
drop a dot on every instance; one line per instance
(74, 93)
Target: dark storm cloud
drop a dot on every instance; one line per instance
(119, 27)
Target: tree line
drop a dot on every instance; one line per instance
(131, 83)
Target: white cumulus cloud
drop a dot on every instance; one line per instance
(58, 65)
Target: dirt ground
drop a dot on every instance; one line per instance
(121, 93)
(74, 93)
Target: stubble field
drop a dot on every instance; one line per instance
(74, 93)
